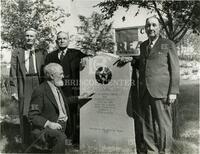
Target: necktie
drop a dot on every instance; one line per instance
(31, 64)
(62, 55)
(150, 47)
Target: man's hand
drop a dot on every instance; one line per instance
(86, 96)
(122, 61)
(15, 97)
(53, 125)
(171, 98)
(126, 59)
(82, 63)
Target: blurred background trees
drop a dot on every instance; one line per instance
(18, 15)
(95, 34)
(176, 17)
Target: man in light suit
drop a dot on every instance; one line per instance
(69, 59)
(26, 73)
(49, 111)
(158, 88)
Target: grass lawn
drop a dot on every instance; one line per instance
(188, 122)
(188, 119)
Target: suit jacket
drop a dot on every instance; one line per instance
(44, 107)
(18, 70)
(159, 71)
(71, 65)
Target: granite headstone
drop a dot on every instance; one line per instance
(105, 125)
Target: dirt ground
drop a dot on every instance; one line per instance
(187, 141)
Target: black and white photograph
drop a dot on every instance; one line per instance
(100, 76)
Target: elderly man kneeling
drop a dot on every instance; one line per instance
(49, 111)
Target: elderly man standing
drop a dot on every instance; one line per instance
(69, 59)
(158, 88)
(49, 111)
(25, 74)
(158, 66)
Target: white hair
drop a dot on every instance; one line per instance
(60, 32)
(50, 69)
(31, 29)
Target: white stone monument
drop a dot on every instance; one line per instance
(104, 123)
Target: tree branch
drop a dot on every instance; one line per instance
(184, 25)
(170, 23)
(161, 18)
(181, 36)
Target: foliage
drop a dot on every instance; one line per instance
(188, 47)
(181, 15)
(95, 34)
(19, 15)
(193, 40)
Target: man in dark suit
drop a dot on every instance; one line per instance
(69, 59)
(49, 111)
(26, 74)
(158, 88)
(158, 66)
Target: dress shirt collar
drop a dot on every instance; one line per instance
(52, 85)
(65, 50)
(32, 49)
(152, 43)
(60, 52)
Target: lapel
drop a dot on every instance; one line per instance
(156, 46)
(53, 57)
(65, 101)
(21, 59)
(66, 63)
(50, 95)
(63, 96)
(67, 57)
(38, 61)
(56, 55)
(146, 49)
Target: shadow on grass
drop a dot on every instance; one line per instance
(10, 128)
(189, 109)
(9, 135)
(188, 119)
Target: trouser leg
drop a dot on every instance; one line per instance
(157, 124)
(24, 126)
(75, 125)
(148, 124)
(26, 131)
(21, 127)
(140, 144)
(56, 139)
(163, 119)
